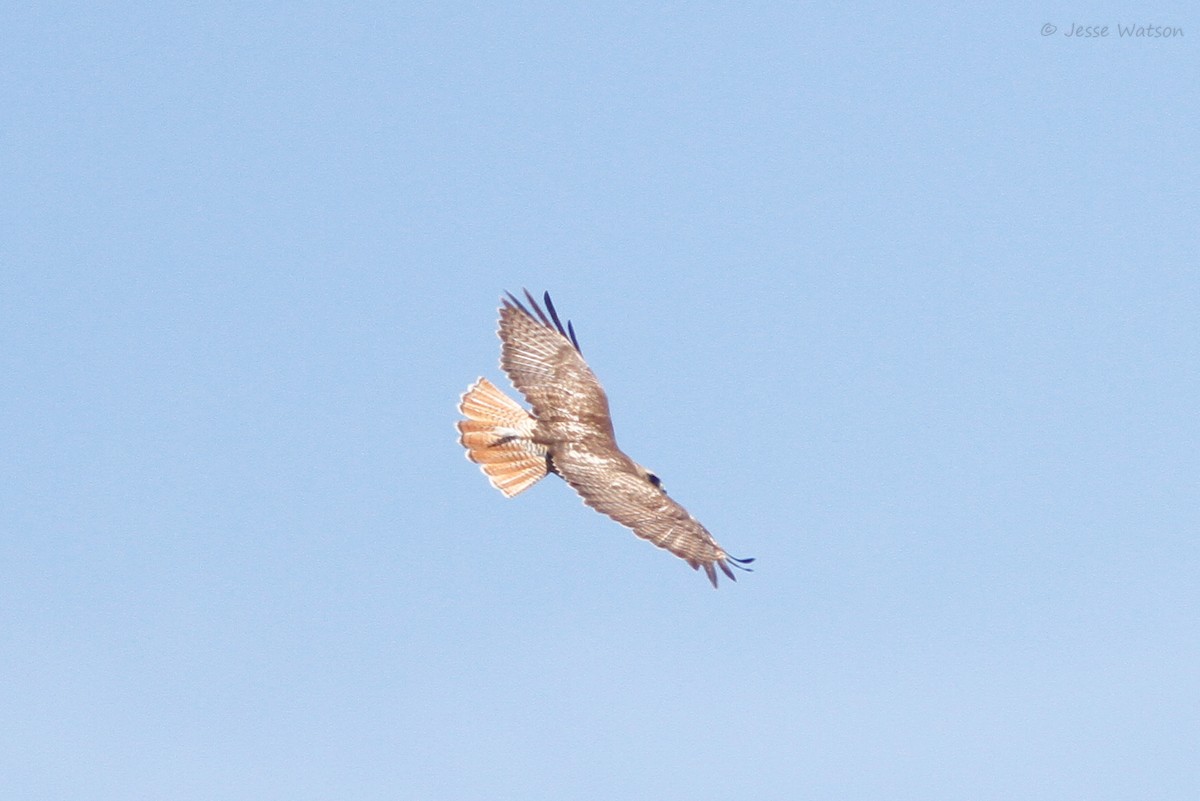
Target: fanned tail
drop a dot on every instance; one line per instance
(498, 436)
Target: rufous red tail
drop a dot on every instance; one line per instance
(498, 436)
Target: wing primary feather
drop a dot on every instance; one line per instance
(557, 322)
(517, 304)
(553, 322)
(541, 314)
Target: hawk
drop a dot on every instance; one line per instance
(570, 434)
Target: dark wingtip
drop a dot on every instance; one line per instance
(541, 314)
(552, 321)
(553, 313)
(569, 331)
(513, 302)
(740, 564)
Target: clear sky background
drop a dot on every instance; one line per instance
(902, 300)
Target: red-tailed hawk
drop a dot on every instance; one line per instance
(570, 433)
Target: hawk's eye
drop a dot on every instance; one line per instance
(653, 479)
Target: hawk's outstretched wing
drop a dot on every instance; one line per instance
(543, 360)
(637, 501)
(572, 426)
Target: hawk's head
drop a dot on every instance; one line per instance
(652, 478)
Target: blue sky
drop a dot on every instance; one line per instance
(903, 301)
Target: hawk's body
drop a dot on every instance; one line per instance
(570, 433)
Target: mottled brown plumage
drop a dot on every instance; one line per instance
(570, 433)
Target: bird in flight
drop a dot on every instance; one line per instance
(570, 433)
